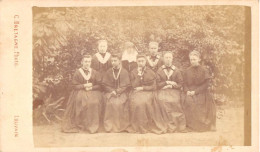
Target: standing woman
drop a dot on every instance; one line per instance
(198, 104)
(142, 104)
(169, 84)
(129, 57)
(154, 60)
(84, 104)
(101, 60)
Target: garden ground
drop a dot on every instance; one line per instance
(230, 131)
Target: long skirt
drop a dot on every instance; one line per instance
(171, 109)
(116, 114)
(144, 113)
(200, 111)
(83, 111)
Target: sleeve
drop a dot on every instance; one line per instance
(125, 83)
(179, 80)
(94, 63)
(106, 84)
(76, 85)
(205, 85)
(134, 81)
(185, 87)
(160, 62)
(160, 82)
(124, 64)
(151, 86)
(109, 64)
(97, 85)
(121, 89)
(108, 88)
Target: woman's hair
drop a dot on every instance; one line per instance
(100, 41)
(86, 56)
(167, 52)
(129, 44)
(194, 53)
(116, 55)
(141, 55)
(153, 43)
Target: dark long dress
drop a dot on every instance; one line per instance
(154, 63)
(144, 113)
(200, 110)
(169, 99)
(83, 107)
(99, 66)
(129, 66)
(116, 110)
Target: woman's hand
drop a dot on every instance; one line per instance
(113, 93)
(88, 88)
(190, 93)
(167, 87)
(86, 85)
(139, 88)
(174, 84)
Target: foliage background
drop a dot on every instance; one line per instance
(62, 35)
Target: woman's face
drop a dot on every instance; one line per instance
(194, 60)
(168, 59)
(141, 62)
(115, 62)
(102, 47)
(86, 62)
(153, 49)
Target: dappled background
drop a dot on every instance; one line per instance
(62, 35)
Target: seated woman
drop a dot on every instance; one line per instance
(169, 83)
(84, 104)
(198, 103)
(116, 110)
(143, 114)
(129, 57)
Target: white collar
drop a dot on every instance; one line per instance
(119, 71)
(101, 59)
(86, 77)
(168, 73)
(140, 71)
(153, 63)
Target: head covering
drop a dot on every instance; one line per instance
(86, 56)
(129, 56)
(129, 44)
(101, 40)
(141, 55)
(154, 43)
(116, 55)
(195, 53)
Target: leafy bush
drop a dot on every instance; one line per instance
(62, 35)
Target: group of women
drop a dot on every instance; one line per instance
(139, 93)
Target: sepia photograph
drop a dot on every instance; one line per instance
(141, 76)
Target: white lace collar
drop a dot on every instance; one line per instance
(168, 73)
(102, 59)
(151, 62)
(85, 76)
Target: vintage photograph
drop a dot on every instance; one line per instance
(141, 76)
